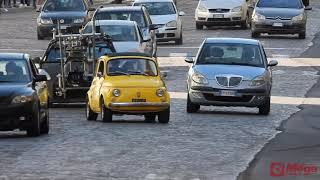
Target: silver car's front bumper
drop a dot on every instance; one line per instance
(165, 34)
(208, 96)
(227, 18)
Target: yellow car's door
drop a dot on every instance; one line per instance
(96, 86)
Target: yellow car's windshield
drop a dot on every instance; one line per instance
(137, 66)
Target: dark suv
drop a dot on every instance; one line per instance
(72, 15)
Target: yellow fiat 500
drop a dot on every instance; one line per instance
(128, 83)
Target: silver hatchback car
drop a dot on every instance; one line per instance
(230, 72)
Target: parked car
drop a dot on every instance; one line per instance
(126, 35)
(221, 12)
(139, 14)
(279, 17)
(23, 95)
(72, 15)
(165, 15)
(230, 72)
(128, 83)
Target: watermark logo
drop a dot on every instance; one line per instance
(278, 169)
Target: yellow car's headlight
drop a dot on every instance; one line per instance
(116, 92)
(160, 92)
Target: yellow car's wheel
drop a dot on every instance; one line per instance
(106, 114)
(164, 116)
(91, 116)
(150, 118)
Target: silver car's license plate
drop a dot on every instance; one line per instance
(277, 25)
(218, 16)
(228, 93)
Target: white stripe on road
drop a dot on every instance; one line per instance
(274, 99)
(191, 47)
(19, 50)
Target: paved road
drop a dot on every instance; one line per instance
(217, 143)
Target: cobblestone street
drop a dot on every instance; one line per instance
(215, 144)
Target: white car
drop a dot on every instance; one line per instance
(166, 17)
(222, 12)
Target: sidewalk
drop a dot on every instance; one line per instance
(294, 153)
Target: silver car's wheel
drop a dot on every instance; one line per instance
(191, 107)
(264, 109)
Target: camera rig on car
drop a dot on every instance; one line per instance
(77, 58)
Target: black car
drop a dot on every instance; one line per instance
(72, 15)
(23, 95)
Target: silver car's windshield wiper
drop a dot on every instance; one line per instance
(244, 64)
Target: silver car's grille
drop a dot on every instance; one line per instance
(228, 80)
(279, 18)
(219, 10)
(223, 81)
(235, 81)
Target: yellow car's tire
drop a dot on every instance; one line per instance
(90, 115)
(45, 126)
(106, 114)
(150, 118)
(164, 116)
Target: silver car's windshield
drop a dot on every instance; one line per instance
(158, 8)
(63, 5)
(295, 4)
(117, 32)
(136, 16)
(144, 67)
(231, 54)
(14, 71)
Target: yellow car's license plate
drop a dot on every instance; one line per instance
(138, 100)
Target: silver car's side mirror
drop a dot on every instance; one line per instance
(181, 13)
(45, 73)
(189, 59)
(273, 63)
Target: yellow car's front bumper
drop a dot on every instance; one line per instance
(139, 104)
(138, 107)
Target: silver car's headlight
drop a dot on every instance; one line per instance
(237, 9)
(258, 81)
(202, 8)
(21, 99)
(199, 78)
(78, 21)
(46, 21)
(258, 17)
(298, 18)
(172, 24)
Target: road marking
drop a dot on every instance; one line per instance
(274, 99)
(19, 50)
(197, 47)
